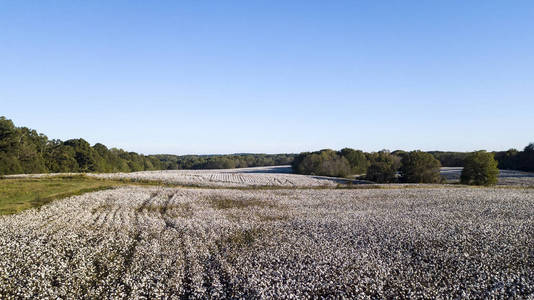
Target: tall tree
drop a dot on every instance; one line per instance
(420, 167)
(480, 168)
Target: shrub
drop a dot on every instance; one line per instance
(420, 167)
(480, 168)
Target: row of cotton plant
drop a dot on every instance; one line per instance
(221, 178)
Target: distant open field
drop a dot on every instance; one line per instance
(244, 177)
(281, 176)
(136, 242)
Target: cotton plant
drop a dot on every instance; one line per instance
(171, 243)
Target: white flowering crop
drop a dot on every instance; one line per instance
(135, 242)
(260, 176)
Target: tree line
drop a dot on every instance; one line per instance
(382, 166)
(24, 150)
(512, 159)
(480, 167)
(198, 162)
(517, 160)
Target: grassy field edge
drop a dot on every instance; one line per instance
(18, 194)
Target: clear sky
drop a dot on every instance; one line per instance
(271, 76)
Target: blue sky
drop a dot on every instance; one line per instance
(271, 76)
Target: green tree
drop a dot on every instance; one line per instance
(325, 163)
(357, 160)
(61, 159)
(480, 168)
(383, 167)
(381, 172)
(9, 164)
(22, 149)
(420, 167)
(308, 164)
(333, 164)
(84, 155)
(509, 160)
(30, 148)
(527, 158)
(8, 136)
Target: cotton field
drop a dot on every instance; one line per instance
(279, 176)
(276, 176)
(139, 242)
(244, 177)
